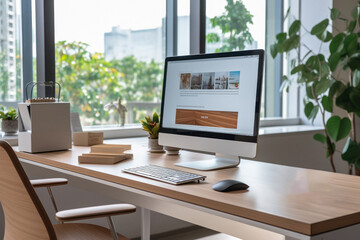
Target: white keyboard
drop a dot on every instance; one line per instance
(164, 174)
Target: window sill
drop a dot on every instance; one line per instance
(289, 129)
(135, 130)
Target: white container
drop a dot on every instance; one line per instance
(44, 127)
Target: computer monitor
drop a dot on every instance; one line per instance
(211, 103)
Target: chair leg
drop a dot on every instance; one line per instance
(53, 200)
(112, 228)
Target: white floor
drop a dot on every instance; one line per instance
(199, 234)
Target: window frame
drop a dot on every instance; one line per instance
(45, 49)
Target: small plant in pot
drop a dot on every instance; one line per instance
(152, 125)
(9, 123)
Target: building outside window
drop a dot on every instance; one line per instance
(10, 62)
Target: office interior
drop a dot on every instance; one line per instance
(285, 134)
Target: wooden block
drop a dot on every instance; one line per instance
(101, 159)
(127, 154)
(110, 148)
(103, 154)
(88, 138)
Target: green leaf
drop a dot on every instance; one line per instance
(320, 137)
(354, 97)
(285, 84)
(334, 14)
(281, 37)
(291, 43)
(356, 78)
(328, 37)
(325, 69)
(155, 130)
(297, 69)
(322, 86)
(313, 62)
(156, 118)
(148, 119)
(313, 113)
(350, 43)
(336, 42)
(334, 60)
(212, 38)
(327, 103)
(320, 27)
(294, 28)
(351, 26)
(338, 128)
(273, 50)
(343, 100)
(309, 93)
(321, 57)
(355, 13)
(351, 151)
(336, 88)
(308, 109)
(325, 36)
(354, 61)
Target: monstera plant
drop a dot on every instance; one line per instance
(324, 89)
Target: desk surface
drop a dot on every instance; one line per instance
(300, 200)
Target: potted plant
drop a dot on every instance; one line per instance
(9, 123)
(152, 125)
(324, 89)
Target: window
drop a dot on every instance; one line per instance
(113, 50)
(116, 49)
(10, 62)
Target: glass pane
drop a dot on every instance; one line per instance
(235, 25)
(10, 61)
(183, 27)
(109, 54)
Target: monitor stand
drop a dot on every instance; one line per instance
(218, 162)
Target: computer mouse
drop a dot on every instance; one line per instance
(229, 185)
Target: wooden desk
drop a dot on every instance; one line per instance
(294, 202)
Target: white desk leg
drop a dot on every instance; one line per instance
(145, 224)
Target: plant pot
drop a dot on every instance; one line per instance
(153, 145)
(9, 127)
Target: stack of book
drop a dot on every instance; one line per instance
(106, 154)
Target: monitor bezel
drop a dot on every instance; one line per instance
(224, 136)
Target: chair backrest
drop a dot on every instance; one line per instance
(25, 217)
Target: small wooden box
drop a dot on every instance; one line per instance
(88, 138)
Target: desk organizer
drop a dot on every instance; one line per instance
(44, 127)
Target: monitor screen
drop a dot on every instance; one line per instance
(213, 95)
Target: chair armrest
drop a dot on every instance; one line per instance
(48, 182)
(94, 212)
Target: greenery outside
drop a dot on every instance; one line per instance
(89, 82)
(233, 24)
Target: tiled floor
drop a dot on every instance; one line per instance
(199, 234)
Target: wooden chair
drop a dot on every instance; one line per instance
(25, 216)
